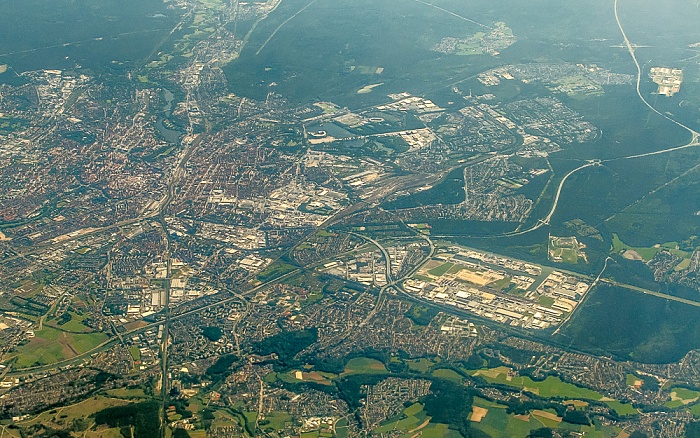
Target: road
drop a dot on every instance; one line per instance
(694, 142)
(387, 261)
(630, 49)
(651, 292)
(173, 183)
(390, 282)
(594, 284)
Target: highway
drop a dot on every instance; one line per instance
(390, 282)
(694, 142)
(630, 49)
(651, 292)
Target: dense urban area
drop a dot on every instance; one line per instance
(177, 259)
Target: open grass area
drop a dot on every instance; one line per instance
(549, 418)
(79, 412)
(275, 420)
(276, 269)
(695, 410)
(498, 423)
(135, 353)
(622, 409)
(74, 325)
(500, 284)
(448, 374)
(413, 409)
(631, 380)
(421, 365)
(104, 432)
(364, 365)
(685, 394)
(411, 420)
(550, 387)
(126, 393)
(51, 345)
(483, 403)
(441, 270)
(648, 253)
(546, 301)
(682, 396)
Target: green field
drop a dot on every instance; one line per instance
(648, 253)
(79, 412)
(364, 365)
(126, 393)
(546, 300)
(550, 387)
(448, 374)
(135, 353)
(275, 420)
(498, 423)
(51, 345)
(421, 365)
(441, 270)
(75, 324)
(622, 409)
(276, 269)
(413, 421)
(553, 387)
(682, 396)
(695, 410)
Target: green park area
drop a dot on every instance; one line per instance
(276, 269)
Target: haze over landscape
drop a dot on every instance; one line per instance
(335, 218)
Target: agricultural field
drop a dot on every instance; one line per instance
(421, 365)
(448, 374)
(414, 421)
(74, 324)
(648, 253)
(78, 416)
(51, 345)
(493, 419)
(681, 397)
(550, 387)
(622, 409)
